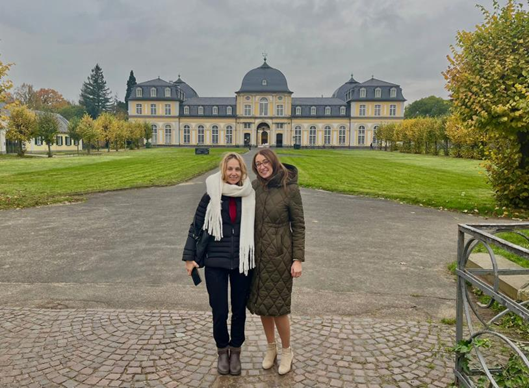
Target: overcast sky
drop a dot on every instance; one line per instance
(317, 44)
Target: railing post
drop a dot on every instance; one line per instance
(459, 297)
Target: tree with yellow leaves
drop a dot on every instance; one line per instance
(488, 79)
(88, 131)
(21, 126)
(105, 124)
(5, 85)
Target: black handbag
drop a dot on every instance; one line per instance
(201, 238)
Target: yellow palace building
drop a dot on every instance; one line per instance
(263, 112)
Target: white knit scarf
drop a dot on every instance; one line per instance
(213, 221)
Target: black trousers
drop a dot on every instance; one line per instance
(217, 285)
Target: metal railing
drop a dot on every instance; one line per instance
(469, 237)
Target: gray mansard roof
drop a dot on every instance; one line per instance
(306, 103)
(353, 94)
(188, 90)
(160, 85)
(253, 81)
(340, 92)
(208, 103)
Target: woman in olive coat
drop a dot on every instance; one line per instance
(279, 251)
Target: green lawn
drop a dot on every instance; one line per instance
(515, 239)
(33, 181)
(458, 184)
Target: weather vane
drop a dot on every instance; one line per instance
(264, 56)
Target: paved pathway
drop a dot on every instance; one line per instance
(131, 348)
(95, 294)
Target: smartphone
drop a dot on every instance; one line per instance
(196, 276)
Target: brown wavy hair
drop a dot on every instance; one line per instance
(277, 167)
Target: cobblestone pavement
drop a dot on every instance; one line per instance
(133, 348)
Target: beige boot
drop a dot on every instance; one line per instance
(270, 356)
(286, 361)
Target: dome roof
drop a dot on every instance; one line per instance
(188, 90)
(264, 79)
(340, 92)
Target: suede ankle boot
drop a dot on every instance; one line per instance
(286, 361)
(223, 363)
(270, 356)
(235, 361)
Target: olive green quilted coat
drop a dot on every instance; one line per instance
(279, 239)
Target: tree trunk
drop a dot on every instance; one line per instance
(523, 139)
(49, 150)
(20, 148)
(89, 146)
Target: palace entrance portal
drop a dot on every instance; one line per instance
(263, 134)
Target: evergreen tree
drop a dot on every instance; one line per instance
(130, 84)
(95, 95)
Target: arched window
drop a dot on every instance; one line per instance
(342, 110)
(312, 136)
(187, 134)
(200, 134)
(327, 111)
(154, 134)
(139, 92)
(375, 128)
(297, 135)
(361, 135)
(378, 93)
(167, 92)
(200, 110)
(263, 106)
(298, 110)
(215, 135)
(229, 134)
(327, 135)
(264, 82)
(215, 110)
(341, 135)
(393, 93)
(167, 134)
(313, 110)
(153, 92)
(363, 93)
(229, 110)
(186, 110)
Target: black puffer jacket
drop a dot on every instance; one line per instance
(223, 253)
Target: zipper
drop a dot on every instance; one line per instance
(260, 253)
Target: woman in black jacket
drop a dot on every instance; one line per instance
(227, 213)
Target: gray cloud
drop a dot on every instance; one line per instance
(213, 43)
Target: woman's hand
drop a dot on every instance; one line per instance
(295, 270)
(190, 265)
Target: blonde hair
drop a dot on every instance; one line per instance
(224, 166)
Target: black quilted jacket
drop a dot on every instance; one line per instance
(223, 253)
(279, 239)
